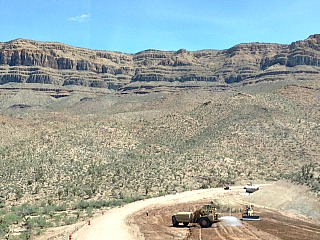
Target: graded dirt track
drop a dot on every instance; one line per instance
(131, 221)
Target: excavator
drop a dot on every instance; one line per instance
(205, 216)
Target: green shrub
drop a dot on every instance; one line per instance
(69, 220)
(26, 210)
(61, 207)
(48, 209)
(82, 204)
(4, 227)
(37, 222)
(12, 218)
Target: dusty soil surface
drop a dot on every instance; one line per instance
(273, 225)
(131, 222)
(280, 206)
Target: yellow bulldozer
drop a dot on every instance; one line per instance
(249, 214)
(205, 216)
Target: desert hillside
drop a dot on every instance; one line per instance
(66, 150)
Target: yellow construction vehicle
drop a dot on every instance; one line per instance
(249, 214)
(205, 216)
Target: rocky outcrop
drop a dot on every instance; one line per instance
(305, 52)
(27, 61)
(297, 53)
(54, 63)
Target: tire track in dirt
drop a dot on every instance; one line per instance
(242, 233)
(218, 233)
(250, 233)
(300, 227)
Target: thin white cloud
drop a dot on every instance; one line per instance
(81, 18)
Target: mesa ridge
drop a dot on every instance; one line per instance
(27, 61)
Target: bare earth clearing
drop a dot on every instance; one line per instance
(131, 222)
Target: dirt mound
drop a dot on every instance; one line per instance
(288, 197)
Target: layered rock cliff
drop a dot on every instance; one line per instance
(26, 61)
(54, 63)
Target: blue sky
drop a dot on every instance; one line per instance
(136, 25)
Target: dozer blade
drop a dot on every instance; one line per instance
(251, 218)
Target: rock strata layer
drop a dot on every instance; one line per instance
(27, 61)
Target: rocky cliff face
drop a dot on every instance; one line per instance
(27, 61)
(54, 63)
(298, 53)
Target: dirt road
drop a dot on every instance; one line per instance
(116, 223)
